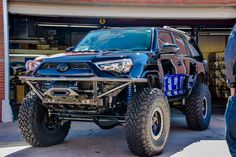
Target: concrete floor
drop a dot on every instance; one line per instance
(87, 140)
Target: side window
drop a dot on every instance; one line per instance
(194, 52)
(180, 42)
(164, 37)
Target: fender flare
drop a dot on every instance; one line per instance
(201, 78)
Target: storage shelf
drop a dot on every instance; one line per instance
(32, 52)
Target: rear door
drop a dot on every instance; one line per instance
(190, 63)
(197, 64)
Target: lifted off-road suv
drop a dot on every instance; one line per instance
(117, 76)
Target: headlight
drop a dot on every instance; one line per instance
(31, 65)
(121, 66)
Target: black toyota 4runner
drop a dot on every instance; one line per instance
(128, 76)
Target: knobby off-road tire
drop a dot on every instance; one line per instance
(32, 126)
(198, 108)
(147, 122)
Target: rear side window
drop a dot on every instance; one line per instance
(194, 52)
(164, 37)
(180, 42)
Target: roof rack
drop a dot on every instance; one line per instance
(178, 31)
(175, 30)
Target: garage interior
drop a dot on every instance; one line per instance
(32, 36)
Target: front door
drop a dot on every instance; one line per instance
(173, 68)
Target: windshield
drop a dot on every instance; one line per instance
(117, 39)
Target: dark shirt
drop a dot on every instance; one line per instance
(230, 59)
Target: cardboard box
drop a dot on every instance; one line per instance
(43, 47)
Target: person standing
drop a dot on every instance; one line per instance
(230, 113)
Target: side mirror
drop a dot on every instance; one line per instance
(169, 48)
(70, 49)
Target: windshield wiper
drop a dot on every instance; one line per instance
(117, 50)
(92, 51)
(138, 49)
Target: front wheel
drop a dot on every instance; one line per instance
(147, 122)
(37, 127)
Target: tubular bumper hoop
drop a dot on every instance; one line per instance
(28, 80)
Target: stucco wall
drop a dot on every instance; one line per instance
(140, 2)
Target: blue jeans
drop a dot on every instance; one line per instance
(230, 118)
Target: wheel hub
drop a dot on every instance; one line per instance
(157, 123)
(204, 107)
(51, 122)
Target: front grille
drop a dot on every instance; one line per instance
(77, 66)
(49, 66)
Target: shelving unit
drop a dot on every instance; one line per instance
(217, 78)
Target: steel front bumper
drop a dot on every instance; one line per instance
(70, 94)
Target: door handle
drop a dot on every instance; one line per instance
(179, 63)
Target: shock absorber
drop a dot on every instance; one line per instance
(129, 93)
(49, 113)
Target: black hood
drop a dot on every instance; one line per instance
(98, 56)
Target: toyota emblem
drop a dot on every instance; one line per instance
(62, 67)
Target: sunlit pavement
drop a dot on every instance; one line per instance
(205, 148)
(87, 140)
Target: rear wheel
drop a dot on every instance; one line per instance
(148, 122)
(37, 127)
(198, 108)
(107, 127)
